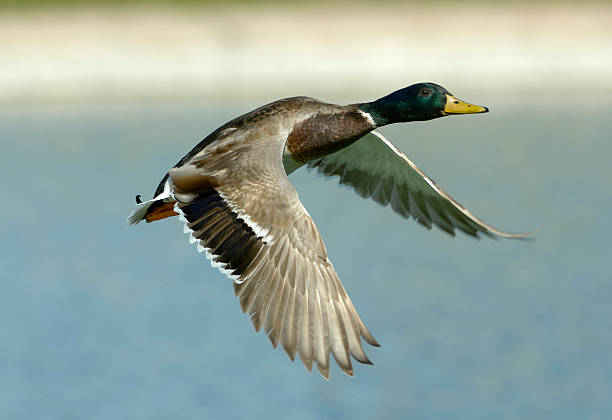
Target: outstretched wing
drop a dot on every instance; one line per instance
(241, 210)
(376, 168)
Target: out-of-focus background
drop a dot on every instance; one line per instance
(258, 50)
(101, 320)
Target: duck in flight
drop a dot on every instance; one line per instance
(239, 208)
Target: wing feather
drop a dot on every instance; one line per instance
(290, 317)
(241, 209)
(376, 168)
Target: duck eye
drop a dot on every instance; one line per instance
(425, 92)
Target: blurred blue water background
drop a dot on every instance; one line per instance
(99, 320)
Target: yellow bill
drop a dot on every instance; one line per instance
(455, 106)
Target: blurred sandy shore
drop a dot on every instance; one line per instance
(272, 51)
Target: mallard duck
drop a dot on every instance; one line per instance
(239, 208)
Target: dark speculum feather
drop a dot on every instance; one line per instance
(243, 260)
(234, 254)
(207, 220)
(200, 206)
(236, 239)
(219, 229)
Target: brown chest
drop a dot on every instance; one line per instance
(323, 134)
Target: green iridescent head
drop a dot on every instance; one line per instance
(419, 102)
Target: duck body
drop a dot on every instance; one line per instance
(310, 129)
(239, 208)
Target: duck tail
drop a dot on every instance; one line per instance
(137, 215)
(151, 211)
(158, 208)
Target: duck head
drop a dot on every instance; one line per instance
(419, 102)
